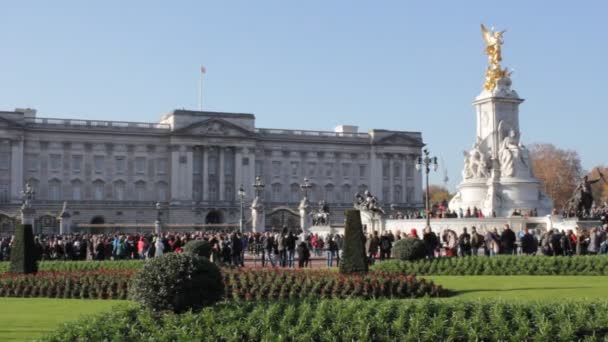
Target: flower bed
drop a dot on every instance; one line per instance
(240, 284)
(352, 320)
(89, 265)
(100, 284)
(500, 265)
(251, 284)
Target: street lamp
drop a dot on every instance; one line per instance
(258, 186)
(242, 198)
(425, 163)
(305, 187)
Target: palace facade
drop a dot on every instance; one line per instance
(194, 163)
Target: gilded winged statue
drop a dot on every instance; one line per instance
(493, 40)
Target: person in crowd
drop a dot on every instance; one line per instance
(464, 243)
(303, 255)
(372, 244)
(340, 246)
(507, 240)
(594, 241)
(332, 248)
(450, 242)
(431, 242)
(291, 249)
(476, 241)
(385, 246)
(269, 247)
(492, 242)
(529, 246)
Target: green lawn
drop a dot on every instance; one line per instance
(527, 288)
(25, 319)
(28, 318)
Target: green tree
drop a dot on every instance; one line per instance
(353, 259)
(23, 253)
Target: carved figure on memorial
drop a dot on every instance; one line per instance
(320, 217)
(514, 157)
(368, 202)
(467, 173)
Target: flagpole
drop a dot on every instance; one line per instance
(200, 92)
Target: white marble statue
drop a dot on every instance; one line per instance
(514, 157)
(257, 215)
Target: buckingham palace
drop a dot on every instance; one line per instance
(194, 163)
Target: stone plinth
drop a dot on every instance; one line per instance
(372, 221)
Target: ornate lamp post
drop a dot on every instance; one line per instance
(305, 187)
(241, 198)
(258, 186)
(425, 163)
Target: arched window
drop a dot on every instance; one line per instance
(397, 195)
(119, 190)
(54, 190)
(276, 192)
(76, 190)
(347, 195)
(294, 193)
(140, 191)
(329, 193)
(161, 192)
(98, 191)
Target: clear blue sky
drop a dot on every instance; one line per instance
(402, 65)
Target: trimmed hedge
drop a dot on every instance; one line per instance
(23, 252)
(354, 257)
(500, 265)
(177, 282)
(351, 320)
(409, 249)
(68, 266)
(201, 248)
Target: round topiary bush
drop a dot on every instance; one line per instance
(409, 249)
(199, 247)
(177, 282)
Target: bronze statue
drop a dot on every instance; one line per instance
(493, 41)
(582, 199)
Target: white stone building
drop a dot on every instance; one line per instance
(194, 163)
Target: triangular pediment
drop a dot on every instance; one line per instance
(400, 139)
(214, 127)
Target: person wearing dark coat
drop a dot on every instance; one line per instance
(507, 240)
(431, 242)
(529, 246)
(303, 255)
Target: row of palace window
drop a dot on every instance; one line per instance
(330, 194)
(117, 192)
(57, 163)
(329, 169)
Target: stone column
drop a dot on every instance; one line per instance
(157, 227)
(16, 170)
(222, 188)
(175, 173)
(391, 181)
(205, 188)
(238, 168)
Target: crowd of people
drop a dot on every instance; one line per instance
(285, 248)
